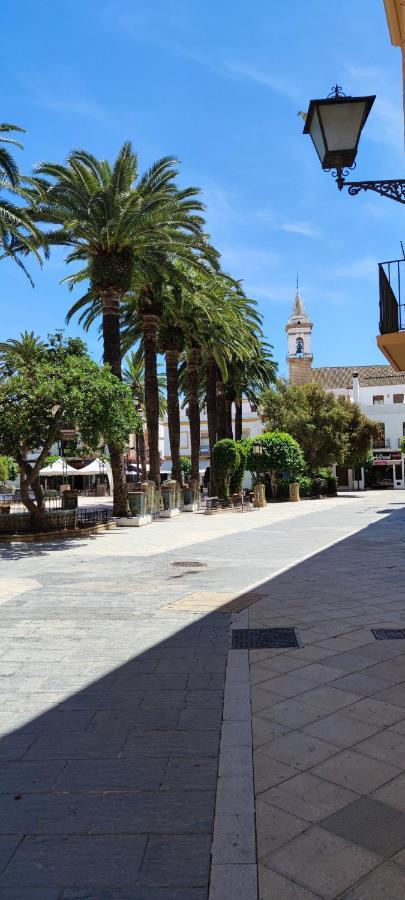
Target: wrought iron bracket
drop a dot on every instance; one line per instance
(394, 189)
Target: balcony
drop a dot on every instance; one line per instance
(391, 340)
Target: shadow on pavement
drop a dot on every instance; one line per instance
(110, 793)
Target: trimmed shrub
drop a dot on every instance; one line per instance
(305, 486)
(236, 480)
(226, 457)
(185, 465)
(281, 457)
(331, 485)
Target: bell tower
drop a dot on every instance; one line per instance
(299, 343)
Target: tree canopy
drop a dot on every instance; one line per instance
(281, 455)
(328, 428)
(59, 383)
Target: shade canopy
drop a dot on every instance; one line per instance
(335, 125)
(95, 467)
(59, 467)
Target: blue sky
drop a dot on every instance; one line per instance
(219, 84)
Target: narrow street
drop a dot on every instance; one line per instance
(125, 774)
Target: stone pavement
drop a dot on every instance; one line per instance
(112, 715)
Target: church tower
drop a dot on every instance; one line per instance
(299, 342)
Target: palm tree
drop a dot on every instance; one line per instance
(18, 233)
(134, 375)
(124, 228)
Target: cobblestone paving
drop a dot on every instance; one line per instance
(111, 707)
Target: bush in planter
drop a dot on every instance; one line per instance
(319, 486)
(226, 457)
(283, 489)
(306, 486)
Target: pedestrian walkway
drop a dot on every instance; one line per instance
(113, 667)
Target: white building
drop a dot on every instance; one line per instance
(251, 426)
(379, 391)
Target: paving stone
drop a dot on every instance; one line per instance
(293, 713)
(33, 777)
(340, 729)
(263, 699)
(267, 772)
(265, 730)
(191, 773)
(273, 886)
(387, 746)
(375, 711)
(274, 828)
(176, 860)
(111, 774)
(395, 695)
(76, 746)
(51, 861)
(31, 894)
(166, 743)
(392, 793)
(8, 846)
(386, 882)
(228, 882)
(299, 750)
(200, 719)
(323, 862)
(361, 683)
(309, 797)
(328, 697)
(371, 824)
(14, 746)
(321, 673)
(355, 771)
(113, 721)
(288, 685)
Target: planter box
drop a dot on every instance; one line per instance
(134, 521)
(169, 513)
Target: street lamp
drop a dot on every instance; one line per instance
(335, 125)
(257, 448)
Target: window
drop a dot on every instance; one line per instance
(183, 440)
(379, 441)
(204, 443)
(299, 345)
(378, 399)
(398, 398)
(245, 434)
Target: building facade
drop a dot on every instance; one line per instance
(379, 391)
(251, 427)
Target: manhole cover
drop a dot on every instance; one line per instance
(189, 564)
(262, 638)
(389, 634)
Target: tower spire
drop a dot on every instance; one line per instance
(299, 353)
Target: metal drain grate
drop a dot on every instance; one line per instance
(262, 638)
(388, 634)
(189, 564)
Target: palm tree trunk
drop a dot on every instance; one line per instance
(228, 415)
(221, 410)
(150, 329)
(238, 420)
(110, 301)
(211, 415)
(173, 411)
(142, 455)
(194, 411)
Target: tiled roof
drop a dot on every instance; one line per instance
(369, 376)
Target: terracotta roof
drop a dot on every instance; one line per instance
(369, 376)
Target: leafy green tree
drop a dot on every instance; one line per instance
(185, 466)
(281, 455)
(61, 384)
(235, 484)
(328, 429)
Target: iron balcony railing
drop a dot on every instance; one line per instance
(392, 309)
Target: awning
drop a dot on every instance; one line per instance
(166, 468)
(96, 467)
(59, 467)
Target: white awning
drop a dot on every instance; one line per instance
(59, 467)
(96, 467)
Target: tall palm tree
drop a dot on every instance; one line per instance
(122, 227)
(18, 233)
(134, 375)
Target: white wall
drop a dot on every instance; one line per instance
(251, 426)
(390, 413)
